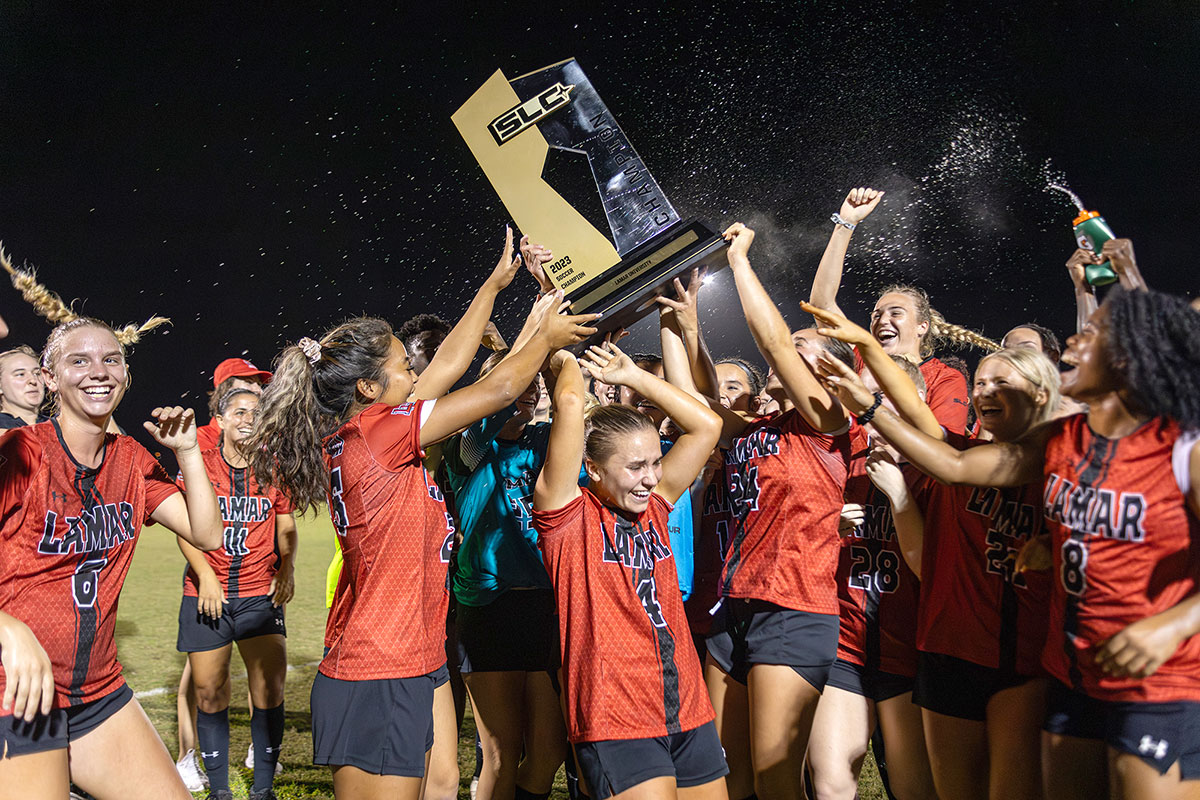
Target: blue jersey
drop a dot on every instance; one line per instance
(680, 531)
(492, 481)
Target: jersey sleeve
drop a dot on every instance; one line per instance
(473, 444)
(20, 456)
(281, 503)
(552, 523)
(159, 485)
(1181, 459)
(947, 399)
(393, 434)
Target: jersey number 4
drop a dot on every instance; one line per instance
(743, 491)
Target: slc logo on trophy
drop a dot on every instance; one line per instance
(512, 127)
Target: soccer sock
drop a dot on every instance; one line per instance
(525, 794)
(266, 732)
(212, 734)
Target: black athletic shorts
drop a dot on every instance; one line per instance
(1158, 733)
(383, 727)
(242, 618)
(747, 632)
(872, 684)
(516, 632)
(693, 757)
(61, 726)
(957, 688)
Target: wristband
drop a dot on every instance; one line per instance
(837, 218)
(869, 414)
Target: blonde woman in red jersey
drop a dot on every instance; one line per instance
(901, 320)
(1121, 499)
(73, 499)
(775, 636)
(637, 713)
(345, 421)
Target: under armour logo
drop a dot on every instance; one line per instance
(213, 754)
(1159, 748)
(270, 749)
(60, 496)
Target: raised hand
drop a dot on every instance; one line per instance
(885, 473)
(686, 305)
(739, 237)
(562, 329)
(835, 326)
(845, 383)
(1076, 264)
(506, 268)
(851, 517)
(492, 339)
(29, 677)
(609, 364)
(859, 204)
(1119, 253)
(536, 256)
(173, 427)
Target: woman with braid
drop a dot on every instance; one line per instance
(345, 421)
(1119, 489)
(73, 499)
(902, 320)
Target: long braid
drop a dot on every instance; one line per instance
(956, 336)
(49, 305)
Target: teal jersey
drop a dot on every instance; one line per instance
(492, 481)
(680, 531)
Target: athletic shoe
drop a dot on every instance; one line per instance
(189, 769)
(250, 761)
(265, 794)
(220, 794)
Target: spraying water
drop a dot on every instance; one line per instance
(1074, 197)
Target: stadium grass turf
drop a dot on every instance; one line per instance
(147, 623)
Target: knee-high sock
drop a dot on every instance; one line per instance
(266, 732)
(212, 734)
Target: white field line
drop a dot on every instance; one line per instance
(174, 690)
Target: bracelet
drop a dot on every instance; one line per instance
(837, 218)
(869, 414)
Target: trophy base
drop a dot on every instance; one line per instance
(625, 292)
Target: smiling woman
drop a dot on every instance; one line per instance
(21, 388)
(73, 498)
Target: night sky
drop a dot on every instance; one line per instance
(259, 174)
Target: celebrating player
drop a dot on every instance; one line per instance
(1121, 495)
(237, 594)
(634, 697)
(73, 500)
(344, 420)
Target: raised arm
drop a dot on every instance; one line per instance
(504, 384)
(460, 345)
(1085, 295)
(888, 374)
(1119, 253)
(685, 306)
(196, 517)
(906, 516)
(558, 482)
(997, 464)
(700, 425)
(774, 339)
(859, 203)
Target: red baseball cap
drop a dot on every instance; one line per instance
(238, 368)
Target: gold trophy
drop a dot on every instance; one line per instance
(533, 136)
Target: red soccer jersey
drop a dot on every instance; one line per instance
(628, 665)
(245, 564)
(974, 606)
(66, 541)
(388, 618)
(1125, 548)
(945, 392)
(786, 482)
(209, 435)
(712, 538)
(877, 592)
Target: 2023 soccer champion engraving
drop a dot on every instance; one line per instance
(512, 127)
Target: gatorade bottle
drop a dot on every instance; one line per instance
(1091, 232)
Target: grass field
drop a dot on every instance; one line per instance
(146, 630)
